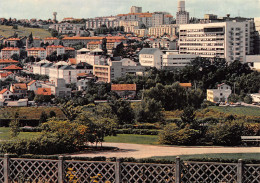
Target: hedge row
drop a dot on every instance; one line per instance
(137, 131)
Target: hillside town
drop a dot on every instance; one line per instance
(141, 77)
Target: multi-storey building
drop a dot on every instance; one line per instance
(68, 28)
(12, 42)
(59, 49)
(115, 69)
(151, 57)
(51, 40)
(173, 60)
(219, 95)
(257, 35)
(94, 23)
(37, 52)
(136, 9)
(7, 53)
(182, 16)
(163, 29)
(229, 40)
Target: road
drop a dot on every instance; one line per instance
(146, 151)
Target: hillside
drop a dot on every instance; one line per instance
(7, 31)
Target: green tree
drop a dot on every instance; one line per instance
(188, 117)
(248, 99)
(43, 117)
(15, 126)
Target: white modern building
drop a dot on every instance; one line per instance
(229, 40)
(136, 9)
(219, 95)
(253, 61)
(66, 72)
(182, 16)
(173, 60)
(151, 57)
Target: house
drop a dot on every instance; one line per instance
(151, 57)
(13, 68)
(7, 62)
(58, 88)
(124, 90)
(19, 89)
(5, 94)
(33, 85)
(219, 95)
(37, 53)
(255, 97)
(19, 103)
(6, 75)
(43, 91)
(66, 72)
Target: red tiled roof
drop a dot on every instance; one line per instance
(69, 48)
(22, 86)
(123, 87)
(5, 61)
(43, 91)
(185, 84)
(36, 49)
(94, 38)
(31, 82)
(12, 67)
(54, 46)
(3, 91)
(72, 61)
(50, 38)
(5, 74)
(13, 39)
(10, 49)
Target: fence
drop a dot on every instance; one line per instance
(62, 171)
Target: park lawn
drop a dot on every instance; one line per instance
(8, 31)
(29, 112)
(224, 156)
(133, 139)
(5, 135)
(240, 110)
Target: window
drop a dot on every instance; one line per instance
(221, 94)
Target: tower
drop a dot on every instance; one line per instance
(182, 16)
(54, 16)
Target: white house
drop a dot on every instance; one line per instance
(255, 97)
(151, 57)
(33, 85)
(219, 95)
(66, 72)
(5, 94)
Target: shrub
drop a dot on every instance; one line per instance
(172, 134)
(228, 133)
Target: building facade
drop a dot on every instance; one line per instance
(229, 40)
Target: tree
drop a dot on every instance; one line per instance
(15, 57)
(70, 111)
(122, 109)
(15, 126)
(52, 114)
(104, 46)
(149, 110)
(30, 38)
(248, 99)
(43, 117)
(188, 117)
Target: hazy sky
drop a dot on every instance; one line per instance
(42, 9)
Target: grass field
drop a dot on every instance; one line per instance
(8, 31)
(5, 135)
(246, 111)
(226, 156)
(29, 112)
(133, 139)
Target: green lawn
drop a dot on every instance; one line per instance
(29, 112)
(8, 31)
(133, 139)
(225, 156)
(240, 110)
(5, 135)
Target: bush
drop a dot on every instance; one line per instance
(173, 135)
(228, 133)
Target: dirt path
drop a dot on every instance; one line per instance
(145, 151)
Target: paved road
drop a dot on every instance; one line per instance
(146, 151)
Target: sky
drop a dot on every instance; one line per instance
(43, 9)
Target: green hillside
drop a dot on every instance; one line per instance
(7, 31)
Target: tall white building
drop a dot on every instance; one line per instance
(229, 40)
(182, 16)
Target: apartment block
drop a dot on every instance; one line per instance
(7, 53)
(37, 52)
(229, 40)
(163, 29)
